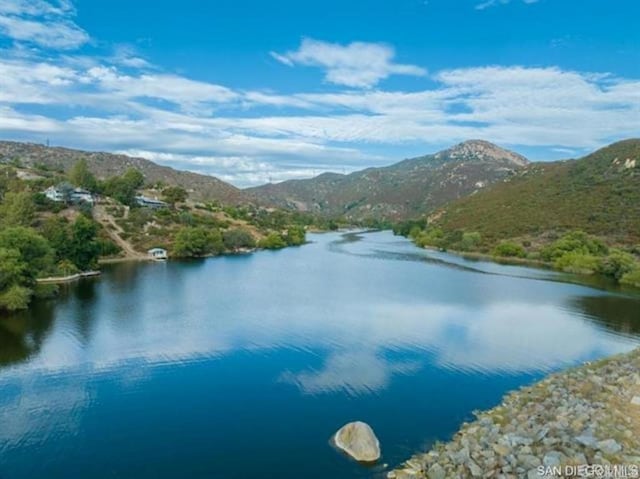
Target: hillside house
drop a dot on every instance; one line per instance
(150, 202)
(67, 194)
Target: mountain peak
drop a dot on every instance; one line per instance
(483, 151)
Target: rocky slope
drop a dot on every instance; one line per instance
(585, 416)
(103, 165)
(403, 190)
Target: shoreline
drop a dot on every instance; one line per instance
(595, 280)
(67, 279)
(586, 415)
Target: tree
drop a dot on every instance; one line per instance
(83, 248)
(17, 209)
(57, 232)
(12, 268)
(174, 194)
(23, 256)
(193, 242)
(80, 175)
(272, 241)
(33, 248)
(237, 238)
(295, 236)
(123, 188)
(133, 178)
(15, 297)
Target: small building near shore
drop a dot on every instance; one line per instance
(158, 254)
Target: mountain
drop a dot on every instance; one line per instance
(104, 165)
(599, 194)
(403, 190)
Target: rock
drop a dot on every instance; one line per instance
(534, 474)
(587, 439)
(609, 446)
(529, 461)
(461, 456)
(635, 400)
(501, 449)
(436, 472)
(359, 441)
(553, 458)
(474, 469)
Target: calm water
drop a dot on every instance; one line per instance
(241, 367)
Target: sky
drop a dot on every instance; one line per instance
(259, 91)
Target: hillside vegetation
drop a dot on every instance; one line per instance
(580, 216)
(43, 237)
(599, 194)
(403, 190)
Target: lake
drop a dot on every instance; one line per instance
(244, 366)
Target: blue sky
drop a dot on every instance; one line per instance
(256, 91)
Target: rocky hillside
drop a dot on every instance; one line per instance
(403, 190)
(599, 194)
(104, 165)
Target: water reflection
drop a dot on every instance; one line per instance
(366, 324)
(185, 311)
(354, 372)
(616, 313)
(22, 335)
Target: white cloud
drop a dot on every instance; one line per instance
(493, 3)
(41, 23)
(358, 64)
(172, 88)
(354, 372)
(250, 137)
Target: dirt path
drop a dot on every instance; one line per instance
(115, 231)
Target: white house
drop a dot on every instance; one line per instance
(149, 202)
(158, 254)
(82, 196)
(54, 194)
(63, 193)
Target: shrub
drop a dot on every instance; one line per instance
(617, 264)
(14, 298)
(509, 249)
(575, 241)
(632, 278)
(191, 242)
(470, 241)
(577, 262)
(236, 238)
(272, 241)
(295, 236)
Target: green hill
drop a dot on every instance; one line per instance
(598, 194)
(579, 216)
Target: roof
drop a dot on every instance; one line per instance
(157, 250)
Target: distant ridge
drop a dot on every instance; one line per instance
(403, 190)
(103, 165)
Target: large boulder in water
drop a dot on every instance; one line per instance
(359, 441)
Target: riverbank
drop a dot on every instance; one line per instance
(586, 415)
(67, 279)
